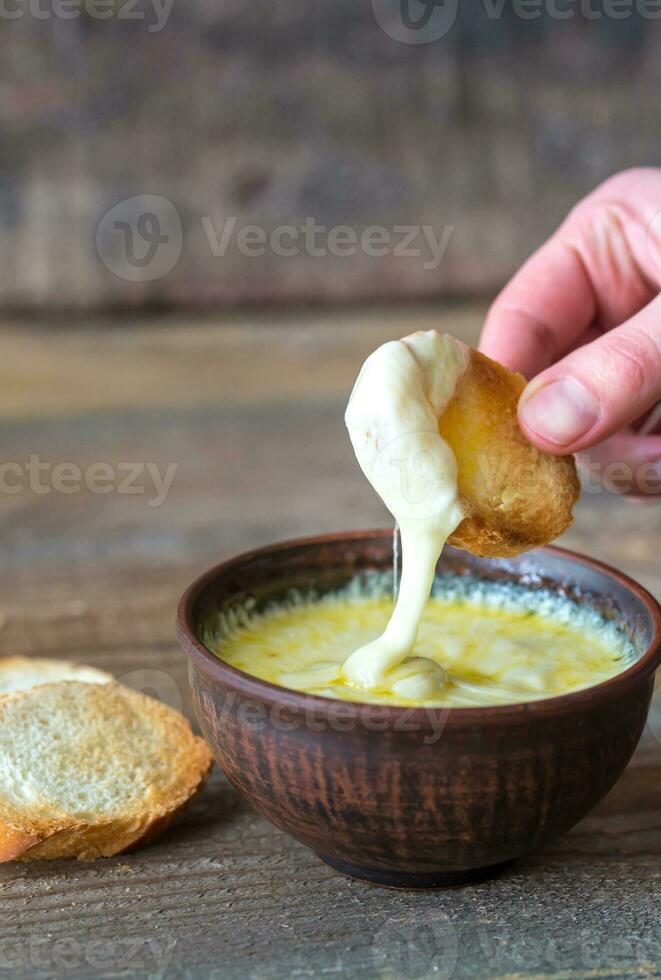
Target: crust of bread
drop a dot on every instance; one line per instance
(515, 496)
(14, 843)
(36, 833)
(12, 668)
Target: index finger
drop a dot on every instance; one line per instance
(542, 311)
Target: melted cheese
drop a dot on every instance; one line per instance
(392, 418)
(486, 654)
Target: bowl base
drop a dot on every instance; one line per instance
(412, 881)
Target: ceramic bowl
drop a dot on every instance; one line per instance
(417, 798)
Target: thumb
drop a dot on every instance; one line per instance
(598, 389)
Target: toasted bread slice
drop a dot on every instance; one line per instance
(89, 770)
(516, 497)
(21, 673)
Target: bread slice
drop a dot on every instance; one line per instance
(21, 673)
(515, 496)
(89, 770)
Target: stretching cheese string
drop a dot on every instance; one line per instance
(392, 418)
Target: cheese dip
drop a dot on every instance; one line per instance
(492, 644)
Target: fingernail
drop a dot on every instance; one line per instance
(561, 412)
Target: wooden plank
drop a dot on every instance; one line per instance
(313, 111)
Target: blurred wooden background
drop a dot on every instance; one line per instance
(271, 113)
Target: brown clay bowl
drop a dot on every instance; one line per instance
(417, 798)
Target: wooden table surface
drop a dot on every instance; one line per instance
(250, 411)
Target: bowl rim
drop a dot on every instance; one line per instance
(299, 701)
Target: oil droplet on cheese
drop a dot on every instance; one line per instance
(392, 418)
(468, 653)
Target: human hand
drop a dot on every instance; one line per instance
(582, 319)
